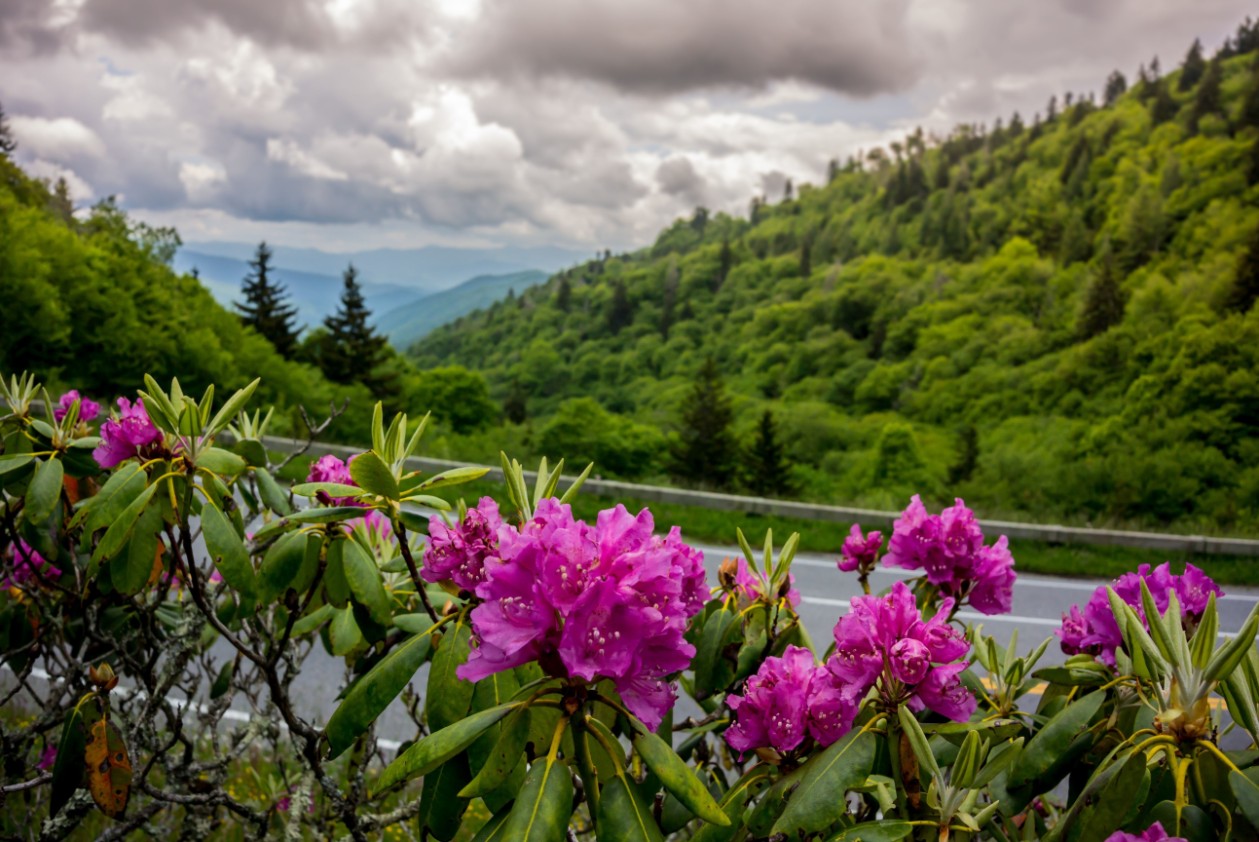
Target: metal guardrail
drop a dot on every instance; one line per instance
(1050, 534)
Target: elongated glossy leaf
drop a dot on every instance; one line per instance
(455, 476)
(336, 588)
(44, 491)
(228, 551)
(115, 495)
(492, 831)
(1107, 800)
(273, 497)
(733, 803)
(363, 577)
(889, 830)
(118, 533)
(280, 566)
(67, 770)
(313, 620)
(543, 807)
(624, 816)
(448, 696)
(332, 489)
(344, 631)
(1247, 793)
(676, 776)
(131, 571)
(252, 451)
(1050, 743)
(225, 463)
(372, 474)
(441, 807)
(371, 694)
(819, 800)
(232, 407)
(435, 749)
(504, 757)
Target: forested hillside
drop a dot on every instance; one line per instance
(1051, 317)
(92, 303)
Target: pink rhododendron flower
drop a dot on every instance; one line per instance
(949, 548)
(88, 408)
(1095, 630)
(48, 759)
(859, 552)
(126, 436)
(610, 601)
(1153, 833)
(788, 699)
(329, 468)
(884, 643)
(458, 553)
(26, 562)
(749, 588)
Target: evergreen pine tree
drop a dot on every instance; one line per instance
(705, 452)
(1245, 289)
(1103, 302)
(563, 294)
(1116, 85)
(766, 466)
(266, 308)
(620, 311)
(1193, 67)
(1207, 99)
(1165, 105)
(352, 350)
(1250, 105)
(8, 145)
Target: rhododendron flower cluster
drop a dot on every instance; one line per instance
(788, 699)
(1153, 833)
(329, 468)
(88, 408)
(26, 563)
(610, 601)
(1094, 630)
(949, 547)
(749, 588)
(127, 435)
(884, 643)
(458, 553)
(860, 552)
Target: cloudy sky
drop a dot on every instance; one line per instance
(349, 124)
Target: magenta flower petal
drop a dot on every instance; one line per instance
(943, 692)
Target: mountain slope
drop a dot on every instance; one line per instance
(315, 295)
(410, 321)
(1034, 317)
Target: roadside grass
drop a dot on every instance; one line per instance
(713, 526)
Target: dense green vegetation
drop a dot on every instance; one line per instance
(1052, 318)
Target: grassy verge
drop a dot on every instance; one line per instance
(713, 526)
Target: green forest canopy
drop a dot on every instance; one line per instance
(1050, 318)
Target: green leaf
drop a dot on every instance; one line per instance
(733, 803)
(676, 776)
(225, 463)
(344, 631)
(313, 620)
(234, 405)
(441, 807)
(1049, 745)
(1107, 799)
(624, 816)
(918, 741)
(888, 830)
(280, 566)
(448, 696)
(223, 681)
(363, 577)
(228, 551)
(371, 694)
(252, 451)
(332, 489)
(273, 497)
(1230, 655)
(492, 831)
(372, 474)
(1202, 647)
(455, 476)
(330, 514)
(1247, 794)
(67, 770)
(1075, 676)
(427, 754)
(44, 491)
(504, 757)
(819, 800)
(544, 805)
(131, 571)
(336, 588)
(120, 529)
